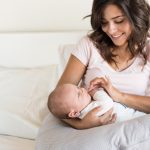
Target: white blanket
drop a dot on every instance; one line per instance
(15, 143)
(129, 135)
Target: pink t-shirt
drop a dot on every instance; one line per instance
(135, 79)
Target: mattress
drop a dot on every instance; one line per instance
(15, 143)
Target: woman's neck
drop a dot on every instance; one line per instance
(123, 58)
(122, 53)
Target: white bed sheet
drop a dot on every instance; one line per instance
(15, 143)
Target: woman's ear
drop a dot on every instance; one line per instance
(73, 114)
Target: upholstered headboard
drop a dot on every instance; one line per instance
(34, 49)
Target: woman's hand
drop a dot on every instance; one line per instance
(91, 120)
(107, 85)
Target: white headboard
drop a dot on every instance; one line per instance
(34, 49)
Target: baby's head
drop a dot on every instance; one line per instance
(67, 100)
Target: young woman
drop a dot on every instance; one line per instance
(119, 48)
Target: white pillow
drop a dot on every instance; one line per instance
(23, 99)
(64, 52)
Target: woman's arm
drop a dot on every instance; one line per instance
(73, 73)
(141, 103)
(91, 120)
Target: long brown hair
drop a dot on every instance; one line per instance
(137, 12)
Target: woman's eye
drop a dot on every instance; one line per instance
(105, 23)
(119, 21)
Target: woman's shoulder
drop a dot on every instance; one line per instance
(83, 50)
(85, 44)
(85, 40)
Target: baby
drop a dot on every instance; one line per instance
(70, 101)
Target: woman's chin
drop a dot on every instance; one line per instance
(120, 44)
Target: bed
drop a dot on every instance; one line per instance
(33, 54)
(30, 65)
(31, 32)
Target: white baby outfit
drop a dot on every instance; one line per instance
(102, 99)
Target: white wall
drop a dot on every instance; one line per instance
(44, 15)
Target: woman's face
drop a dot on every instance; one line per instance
(116, 25)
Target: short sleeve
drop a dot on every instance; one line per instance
(83, 50)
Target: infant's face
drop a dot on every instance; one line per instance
(80, 97)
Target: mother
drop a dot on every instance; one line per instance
(118, 47)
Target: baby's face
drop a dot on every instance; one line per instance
(80, 97)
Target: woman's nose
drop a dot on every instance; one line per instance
(112, 28)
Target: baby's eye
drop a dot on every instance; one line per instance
(79, 92)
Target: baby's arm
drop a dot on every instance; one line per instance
(104, 100)
(107, 85)
(101, 95)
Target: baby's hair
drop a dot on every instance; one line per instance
(53, 106)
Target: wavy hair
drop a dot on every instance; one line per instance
(138, 14)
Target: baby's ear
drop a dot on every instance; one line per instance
(73, 114)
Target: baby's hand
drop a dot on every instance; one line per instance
(92, 92)
(107, 85)
(97, 83)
